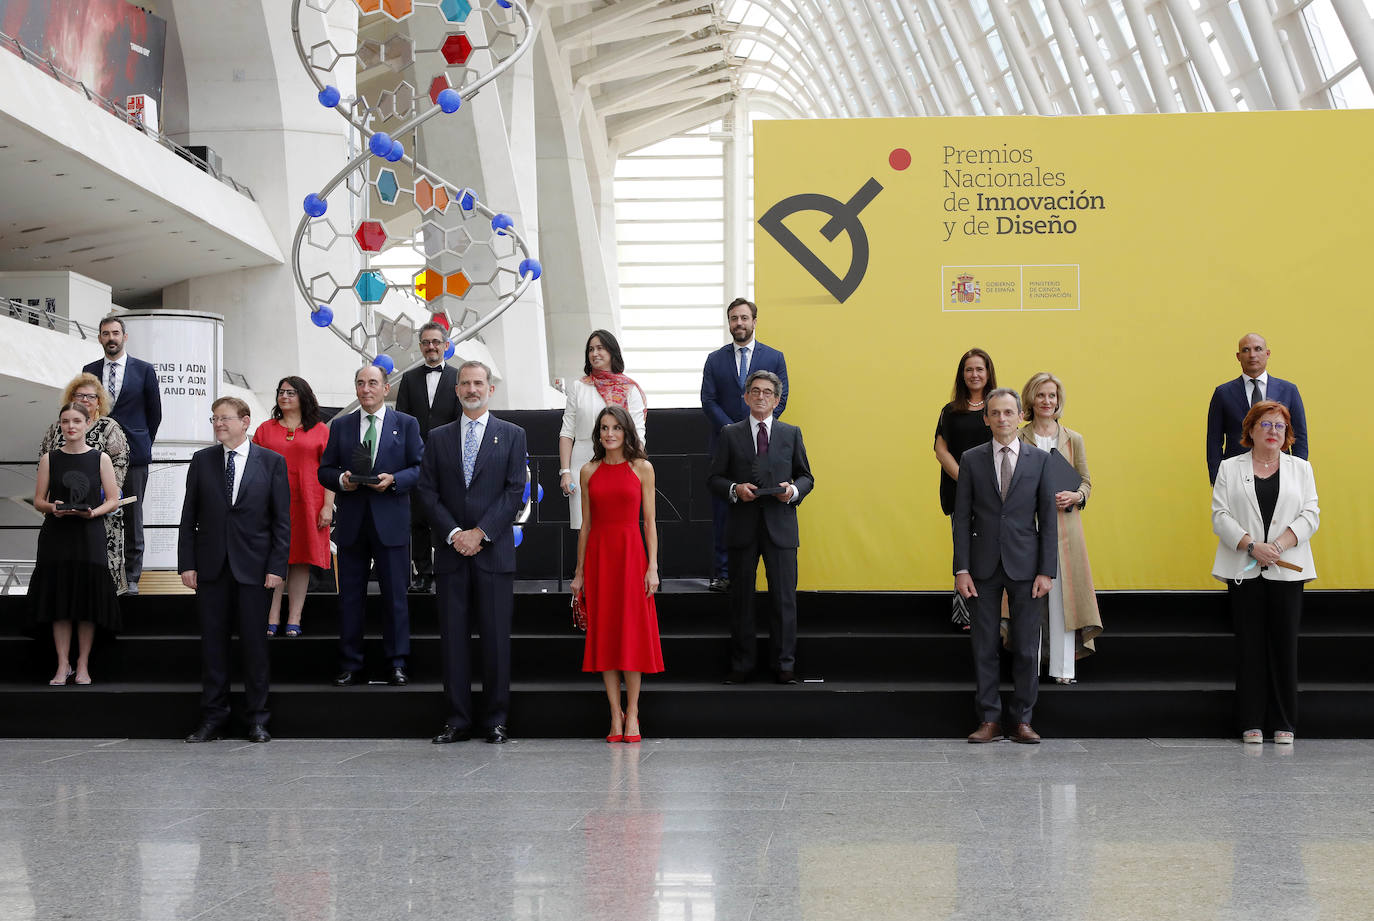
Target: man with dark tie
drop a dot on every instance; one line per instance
(1005, 539)
(723, 401)
(762, 453)
(372, 522)
(1233, 399)
(232, 549)
(427, 392)
(471, 481)
(136, 399)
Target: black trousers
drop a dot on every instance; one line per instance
(135, 484)
(466, 598)
(720, 554)
(355, 561)
(225, 607)
(985, 617)
(1266, 615)
(421, 539)
(780, 566)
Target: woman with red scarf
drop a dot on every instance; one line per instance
(604, 384)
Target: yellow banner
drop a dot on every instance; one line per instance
(1125, 254)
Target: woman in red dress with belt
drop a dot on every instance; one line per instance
(614, 573)
(296, 432)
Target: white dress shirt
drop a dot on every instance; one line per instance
(432, 381)
(240, 464)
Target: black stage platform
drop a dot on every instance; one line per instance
(874, 664)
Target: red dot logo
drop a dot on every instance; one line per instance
(899, 159)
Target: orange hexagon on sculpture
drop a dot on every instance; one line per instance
(429, 284)
(440, 199)
(398, 9)
(368, 6)
(457, 284)
(424, 195)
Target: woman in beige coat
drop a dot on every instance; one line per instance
(1073, 617)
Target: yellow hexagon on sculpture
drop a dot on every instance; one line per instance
(457, 284)
(429, 284)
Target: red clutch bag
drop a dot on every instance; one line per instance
(579, 613)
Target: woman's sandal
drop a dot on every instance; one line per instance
(293, 629)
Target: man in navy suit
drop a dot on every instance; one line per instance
(232, 549)
(137, 407)
(1005, 539)
(1233, 399)
(471, 482)
(372, 523)
(722, 399)
(762, 452)
(429, 393)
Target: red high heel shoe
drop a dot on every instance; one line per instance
(618, 738)
(631, 738)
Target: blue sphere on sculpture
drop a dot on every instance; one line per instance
(379, 144)
(385, 363)
(530, 267)
(468, 200)
(519, 535)
(329, 97)
(501, 223)
(448, 351)
(396, 152)
(322, 316)
(525, 496)
(539, 496)
(450, 101)
(315, 206)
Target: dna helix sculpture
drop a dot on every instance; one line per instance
(474, 256)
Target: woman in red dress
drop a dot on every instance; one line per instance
(296, 432)
(615, 576)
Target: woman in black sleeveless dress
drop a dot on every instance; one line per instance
(71, 581)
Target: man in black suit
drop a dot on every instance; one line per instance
(232, 549)
(1005, 538)
(1233, 399)
(471, 481)
(762, 452)
(372, 520)
(136, 399)
(427, 392)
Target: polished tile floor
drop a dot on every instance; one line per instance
(688, 830)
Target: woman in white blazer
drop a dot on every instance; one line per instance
(604, 383)
(1264, 513)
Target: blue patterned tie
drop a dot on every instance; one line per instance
(743, 367)
(229, 479)
(469, 452)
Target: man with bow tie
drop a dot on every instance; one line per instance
(372, 523)
(427, 392)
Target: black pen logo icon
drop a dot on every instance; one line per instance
(844, 216)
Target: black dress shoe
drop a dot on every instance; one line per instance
(452, 734)
(349, 679)
(737, 677)
(498, 734)
(206, 732)
(258, 733)
(719, 585)
(787, 677)
(398, 678)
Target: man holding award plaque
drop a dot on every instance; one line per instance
(372, 460)
(760, 468)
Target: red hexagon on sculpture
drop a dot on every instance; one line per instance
(456, 48)
(371, 236)
(457, 284)
(441, 319)
(439, 84)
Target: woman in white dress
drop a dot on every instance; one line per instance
(603, 382)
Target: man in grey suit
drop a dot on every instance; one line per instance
(1005, 539)
(761, 452)
(472, 478)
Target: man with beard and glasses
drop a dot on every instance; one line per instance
(429, 393)
(471, 482)
(723, 401)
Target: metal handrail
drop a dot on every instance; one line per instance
(117, 110)
(18, 310)
(10, 577)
